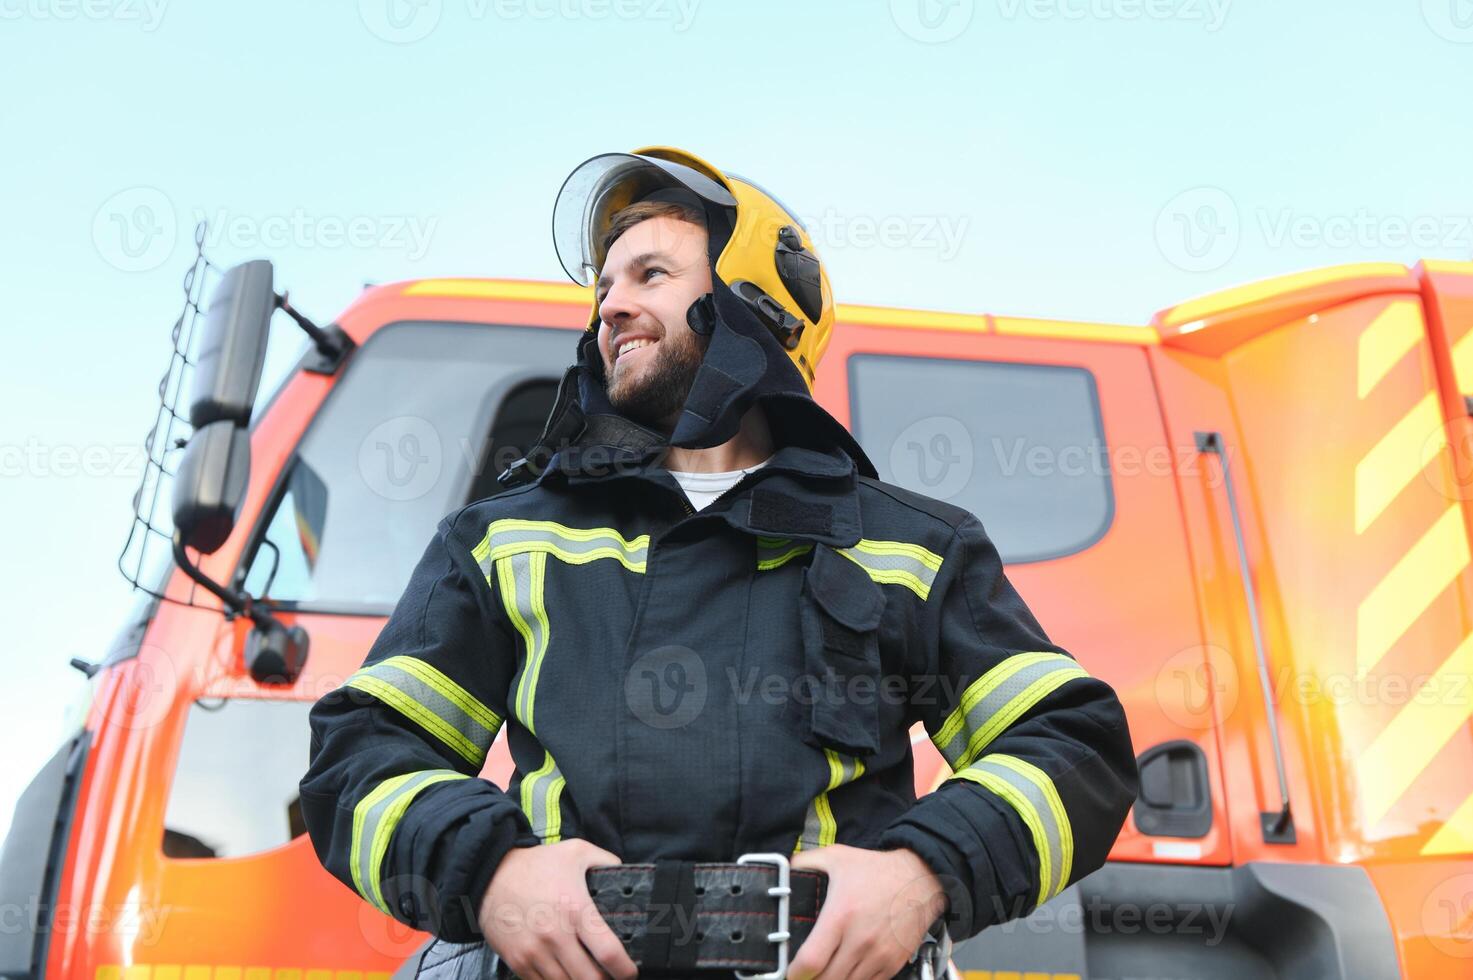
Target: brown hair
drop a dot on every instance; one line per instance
(628, 217)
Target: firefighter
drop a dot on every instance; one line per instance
(707, 629)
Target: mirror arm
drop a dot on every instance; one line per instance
(238, 603)
(274, 653)
(332, 344)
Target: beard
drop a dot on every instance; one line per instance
(654, 398)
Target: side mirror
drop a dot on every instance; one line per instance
(233, 349)
(210, 485)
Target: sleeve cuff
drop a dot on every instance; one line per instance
(967, 876)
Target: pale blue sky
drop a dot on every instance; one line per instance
(1087, 159)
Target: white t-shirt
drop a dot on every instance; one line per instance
(702, 488)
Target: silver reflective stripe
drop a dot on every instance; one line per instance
(896, 563)
(522, 579)
(432, 700)
(820, 829)
(374, 820)
(1029, 791)
(542, 792)
(429, 698)
(578, 546)
(998, 698)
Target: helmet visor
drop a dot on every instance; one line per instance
(599, 188)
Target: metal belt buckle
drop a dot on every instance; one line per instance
(780, 891)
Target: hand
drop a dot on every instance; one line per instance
(876, 912)
(538, 916)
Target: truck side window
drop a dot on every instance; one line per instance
(212, 812)
(1021, 446)
(424, 418)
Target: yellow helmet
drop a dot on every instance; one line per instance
(766, 254)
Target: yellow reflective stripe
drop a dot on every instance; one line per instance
(420, 715)
(433, 677)
(1050, 793)
(542, 792)
(775, 552)
(997, 698)
(1026, 810)
(896, 563)
(1029, 791)
(1015, 709)
(554, 810)
(374, 820)
(923, 555)
(820, 829)
(574, 545)
(522, 578)
(983, 686)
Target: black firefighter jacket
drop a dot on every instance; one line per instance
(701, 685)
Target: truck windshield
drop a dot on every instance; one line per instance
(424, 418)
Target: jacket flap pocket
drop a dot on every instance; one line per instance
(844, 590)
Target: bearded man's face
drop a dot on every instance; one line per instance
(653, 273)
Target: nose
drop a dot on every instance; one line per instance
(618, 305)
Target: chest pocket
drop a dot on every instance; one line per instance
(840, 611)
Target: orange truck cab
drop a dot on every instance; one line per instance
(1251, 516)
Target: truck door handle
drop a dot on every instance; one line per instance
(1174, 800)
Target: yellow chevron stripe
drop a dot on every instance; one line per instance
(1407, 745)
(1382, 345)
(1405, 592)
(1397, 459)
(1456, 835)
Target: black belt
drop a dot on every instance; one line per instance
(677, 916)
(686, 918)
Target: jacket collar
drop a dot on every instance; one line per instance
(802, 492)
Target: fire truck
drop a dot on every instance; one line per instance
(1252, 516)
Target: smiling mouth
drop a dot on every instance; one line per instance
(628, 346)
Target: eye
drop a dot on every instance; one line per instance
(651, 271)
